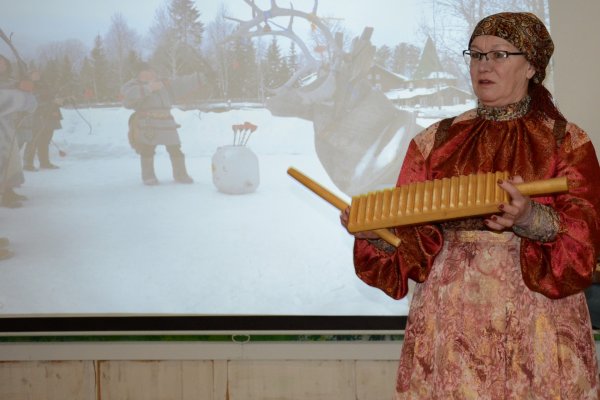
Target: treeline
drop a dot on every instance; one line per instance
(179, 43)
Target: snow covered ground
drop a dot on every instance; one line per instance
(92, 239)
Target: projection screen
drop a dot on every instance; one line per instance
(94, 249)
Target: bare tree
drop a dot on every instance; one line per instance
(177, 34)
(162, 37)
(216, 47)
(453, 21)
(74, 49)
(337, 29)
(119, 42)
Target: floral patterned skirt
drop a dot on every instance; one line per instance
(475, 331)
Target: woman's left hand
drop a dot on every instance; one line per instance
(516, 212)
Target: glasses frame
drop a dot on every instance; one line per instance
(467, 53)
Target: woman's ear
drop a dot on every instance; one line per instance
(530, 71)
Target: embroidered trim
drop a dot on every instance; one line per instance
(420, 241)
(382, 245)
(467, 224)
(506, 113)
(542, 225)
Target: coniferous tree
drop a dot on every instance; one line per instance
(274, 70)
(132, 63)
(51, 74)
(86, 80)
(405, 59)
(100, 71)
(186, 26)
(243, 69)
(178, 33)
(383, 57)
(292, 60)
(285, 70)
(429, 63)
(67, 79)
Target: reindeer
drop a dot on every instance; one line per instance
(360, 136)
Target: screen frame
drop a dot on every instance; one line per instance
(564, 33)
(153, 324)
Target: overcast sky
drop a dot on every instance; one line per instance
(36, 22)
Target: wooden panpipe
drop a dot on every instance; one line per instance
(440, 200)
(337, 202)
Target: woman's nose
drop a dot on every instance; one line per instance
(484, 64)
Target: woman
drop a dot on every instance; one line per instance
(499, 312)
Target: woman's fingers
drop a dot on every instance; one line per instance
(515, 210)
(344, 217)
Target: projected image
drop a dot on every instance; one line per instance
(111, 212)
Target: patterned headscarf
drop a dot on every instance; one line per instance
(526, 32)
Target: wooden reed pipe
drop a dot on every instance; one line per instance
(421, 202)
(337, 202)
(545, 186)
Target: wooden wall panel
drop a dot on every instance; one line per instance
(47, 380)
(306, 380)
(375, 379)
(156, 380)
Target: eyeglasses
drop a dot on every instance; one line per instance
(494, 56)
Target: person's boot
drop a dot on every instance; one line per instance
(179, 172)
(5, 253)
(10, 199)
(28, 156)
(14, 196)
(48, 165)
(44, 157)
(148, 176)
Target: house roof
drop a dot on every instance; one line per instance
(404, 94)
(438, 75)
(387, 71)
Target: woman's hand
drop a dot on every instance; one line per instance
(517, 212)
(344, 216)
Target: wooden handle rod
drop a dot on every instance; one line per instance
(337, 202)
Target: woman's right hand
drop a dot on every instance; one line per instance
(344, 216)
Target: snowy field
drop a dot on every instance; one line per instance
(92, 239)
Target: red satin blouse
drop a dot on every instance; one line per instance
(522, 145)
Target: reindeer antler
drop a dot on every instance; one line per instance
(255, 28)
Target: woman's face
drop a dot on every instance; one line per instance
(500, 82)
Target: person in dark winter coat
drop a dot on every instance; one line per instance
(152, 123)
(45, 121)
(15, 101)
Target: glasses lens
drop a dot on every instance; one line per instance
(499, 55)
(468, 56)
